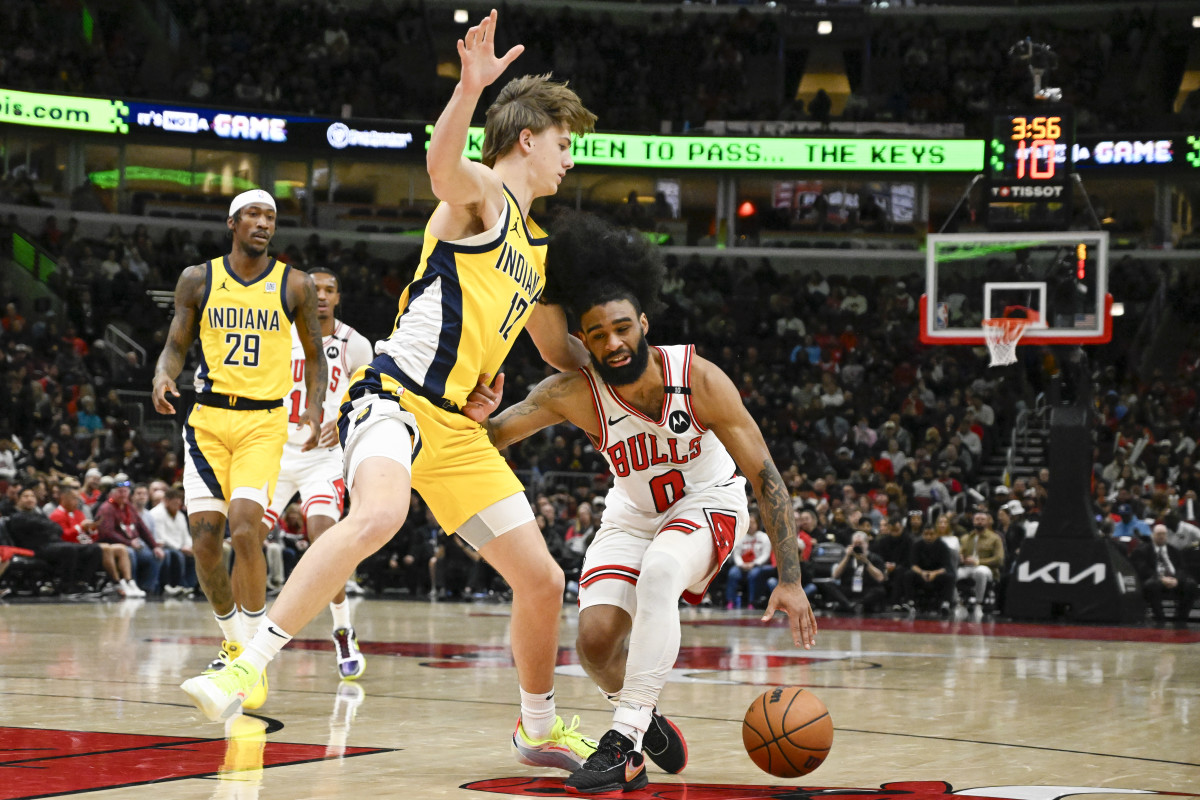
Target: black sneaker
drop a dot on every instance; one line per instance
(664, 744)
(615, 767)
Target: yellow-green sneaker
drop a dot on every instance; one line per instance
(565, 748)
(220, 695)
(258, 695)
(229, 651)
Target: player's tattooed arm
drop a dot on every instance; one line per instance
(554, 400)
(316, 367)
(185, 325)
(775, 509)
(718, 406)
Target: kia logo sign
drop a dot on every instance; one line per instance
(340, 136)
(1059, 572)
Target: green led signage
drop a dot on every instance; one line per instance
(719, 152)
(61, 111)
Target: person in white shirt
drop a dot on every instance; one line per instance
(178, 573)
(749, 556)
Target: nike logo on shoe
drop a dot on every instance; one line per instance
(632, 769)
(612, 421)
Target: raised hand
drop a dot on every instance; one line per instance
(480, 65)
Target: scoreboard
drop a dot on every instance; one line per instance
(1029, 169)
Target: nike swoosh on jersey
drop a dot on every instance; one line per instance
(612, 421)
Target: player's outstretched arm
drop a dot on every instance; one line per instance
(719, 406)
(558, 398)
(316, 368)
(547, 327)
(456, 180)
(185, 325)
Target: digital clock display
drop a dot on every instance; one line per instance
(1033, 146)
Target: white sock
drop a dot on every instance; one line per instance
(613, 698)
(231, 626)
(537, 714)
(632, 721)
(269, 640)
(341, 614)
(251, 620)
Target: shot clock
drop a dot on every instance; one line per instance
(1029, 169)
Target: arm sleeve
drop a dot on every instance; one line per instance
(358, 352)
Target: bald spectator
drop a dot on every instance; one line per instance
(1161, 571)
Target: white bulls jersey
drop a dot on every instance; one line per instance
(346, 350)
(658, 461)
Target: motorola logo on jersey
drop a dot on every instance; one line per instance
(644, 450)
(332, 351)
(679, 421)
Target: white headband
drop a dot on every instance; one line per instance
(253, 196)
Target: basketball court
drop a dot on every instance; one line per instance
(922, 708)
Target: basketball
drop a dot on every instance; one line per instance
(787, 731)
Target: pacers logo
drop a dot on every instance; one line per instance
(679, 421)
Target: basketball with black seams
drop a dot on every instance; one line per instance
(787, 731)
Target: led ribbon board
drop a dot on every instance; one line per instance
(62, 111)
(720, 152)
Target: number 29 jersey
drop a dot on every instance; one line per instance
(657, 461)
(245, 333)
(345, 350)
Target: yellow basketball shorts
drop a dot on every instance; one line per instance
(231, 454)
(457, 470)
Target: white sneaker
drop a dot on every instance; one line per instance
(353, 589)
(137, 590)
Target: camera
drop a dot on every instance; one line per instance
(858, 548)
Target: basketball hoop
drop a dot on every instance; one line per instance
(1002, 334)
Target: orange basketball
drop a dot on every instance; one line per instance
(787, 731)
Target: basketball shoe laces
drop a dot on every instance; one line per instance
(236, 679)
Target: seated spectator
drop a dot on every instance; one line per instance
(749, 558)
(1130, 526)
(1160, 569)
(859, 580)
(982, 552)
(74, 565)
(178, 573)
(77, 526)
(928, 576)
(120, 523)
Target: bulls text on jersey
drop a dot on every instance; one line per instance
(642, 451)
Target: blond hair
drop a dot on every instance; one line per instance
(534, 102)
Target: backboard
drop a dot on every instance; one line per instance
(1061, 276)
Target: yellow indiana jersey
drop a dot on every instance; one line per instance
(465, 307)
(245, 333)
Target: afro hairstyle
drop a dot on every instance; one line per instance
(590, 262)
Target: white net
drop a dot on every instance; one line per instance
(1002, 335)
